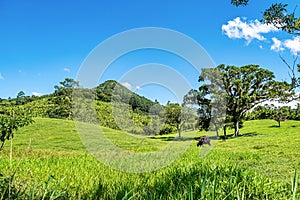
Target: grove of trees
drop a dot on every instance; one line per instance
(243, 88)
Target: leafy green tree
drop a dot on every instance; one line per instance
(10, 120)
(259, 112)
(177, 116)
(21, 94)
(62, 99)
(245, 87)
(20, 98)
(277, 15)
(173, 116)
(280, 114)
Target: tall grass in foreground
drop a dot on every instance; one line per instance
(83, 177)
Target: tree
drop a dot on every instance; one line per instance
(177, 115)
(20, 98)
(280, 114)
(173, 116)
(62, 99)
(21, 94)
(10, 120)
(277, 15)
(245, 87)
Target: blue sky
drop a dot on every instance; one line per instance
(44, 41)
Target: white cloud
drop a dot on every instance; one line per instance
(292, 104)
(238, 29)
(277, 46)
(292, 44)
(131, 87)
(261, 46)
(1, 77)
(127, 85)
(36, 94)
(67, 70)
(138, 87)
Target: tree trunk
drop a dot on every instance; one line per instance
(217, 132)
(225, 135)
(179, 131)
(2, 145)
(236, 128)
(278, 123)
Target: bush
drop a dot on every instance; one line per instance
(167, 129)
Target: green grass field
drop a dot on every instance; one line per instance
(259, 165)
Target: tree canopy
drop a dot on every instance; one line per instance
(11, 119)
(244, 88)
(277, 15)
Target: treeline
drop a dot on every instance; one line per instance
(277, 113)
(110, 104)
(223, 100)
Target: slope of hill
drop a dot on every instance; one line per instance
(110, 104)
(259, 165)
(113, 91)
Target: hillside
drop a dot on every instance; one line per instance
(263, 161)
(113, 91)
(110, 104)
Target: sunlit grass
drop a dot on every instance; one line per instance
(259, 165)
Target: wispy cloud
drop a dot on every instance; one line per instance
(239, 29)
(138, 87)
(1, 77)
(130, 87)
(36, 94)
(127, 85)
(291, 44)
(67, 70)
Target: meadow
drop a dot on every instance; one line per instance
(47, 160)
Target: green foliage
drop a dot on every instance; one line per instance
(10, 120)
(277, 15)
(239, 2)
(112, 91)
(62, 99)
(280, 114)
(244, 88)
(167, 129)
(20, 98)
(173, 116)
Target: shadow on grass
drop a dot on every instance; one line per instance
(172, 138)
(221, 137)
(230, 136)
(274, 126)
